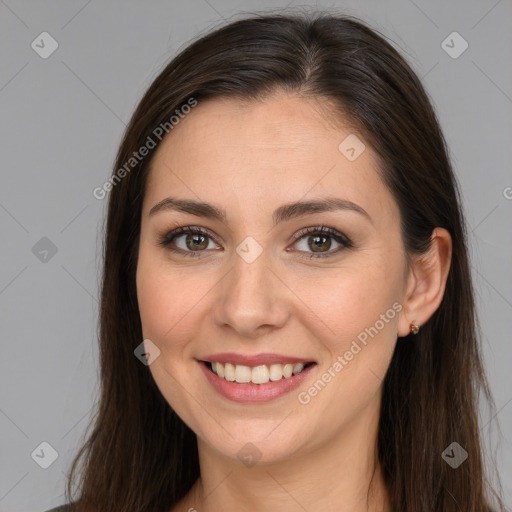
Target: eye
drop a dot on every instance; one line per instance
(194, 240)
(319, 240)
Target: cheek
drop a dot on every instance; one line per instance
(170, 300)
(157, 314)
(358, 329)
(167, 304)
(351, 299)
(358, 311)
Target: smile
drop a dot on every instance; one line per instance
(260, 374)
(255, 384)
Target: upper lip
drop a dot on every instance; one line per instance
(254, 360)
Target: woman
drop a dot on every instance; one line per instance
(287, 314)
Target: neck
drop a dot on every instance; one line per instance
(342, 474)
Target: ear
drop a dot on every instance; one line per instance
(426, 282)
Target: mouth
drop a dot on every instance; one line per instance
(255, 384)
(255, 378)
(261, 374)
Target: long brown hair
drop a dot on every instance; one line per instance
(140, 456)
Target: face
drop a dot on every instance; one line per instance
(263, 286)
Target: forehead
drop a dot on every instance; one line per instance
(281, 149)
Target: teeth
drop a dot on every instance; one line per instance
(219, 369)
(297, 368)
(258, 374)
(276, 372)
(243, 374)
(229, 371)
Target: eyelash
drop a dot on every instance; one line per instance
(343, 240)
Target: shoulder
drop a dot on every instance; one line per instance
(61, 508)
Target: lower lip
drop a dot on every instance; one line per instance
(255, 393)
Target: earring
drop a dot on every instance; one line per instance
(415, 328)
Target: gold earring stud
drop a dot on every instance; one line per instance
(415, 328)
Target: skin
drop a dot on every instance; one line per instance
(249, 158)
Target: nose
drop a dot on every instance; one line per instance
(252, 300)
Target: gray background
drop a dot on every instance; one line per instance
(62, 120)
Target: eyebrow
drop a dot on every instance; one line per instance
(281, 214)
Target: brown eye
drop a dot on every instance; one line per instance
(188, 240)
(196, 242)
(318, 240)
(319, 243)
